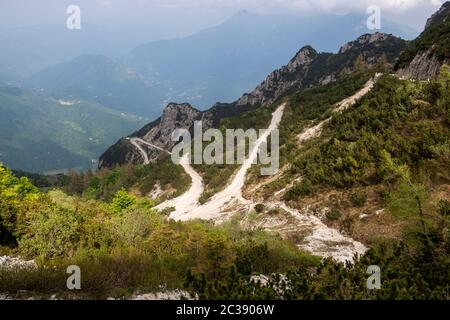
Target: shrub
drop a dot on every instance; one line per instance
(333, 214)
(358, 199)
(303, 188)
(122, 200)
(259, 208)
(52, 233)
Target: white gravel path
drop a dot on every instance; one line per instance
(213, 208)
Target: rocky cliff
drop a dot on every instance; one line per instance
(425, 56)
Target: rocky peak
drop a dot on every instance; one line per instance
(175, 112)
(174, 116)
(306, 68)
(365, 39)
(302, 58)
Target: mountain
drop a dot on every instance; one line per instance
(362, 185)
(100, 79)
(425, 55)
(27, 50)
(216, 64)
(220, 63)
(307, 68)
(39, 133)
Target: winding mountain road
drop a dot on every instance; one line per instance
(322, 240)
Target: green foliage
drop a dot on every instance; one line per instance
(125, 245)
(358, 199)
(17, 196)
(408, 271)
(104, 184)
(389, 118)
(435, 38)
(260, 208)
(333, 214)
(122, 200)
(301, 189)
(52, 233)
(35, 126)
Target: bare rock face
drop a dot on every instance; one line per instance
(424, 66)
(279, 81)
(158, 133)
(429, 51)
(175, 116)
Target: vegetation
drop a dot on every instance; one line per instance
(139, 179)
(123, 245)
(408, 120)
(435, 38)
(41, 135)
(411, 269)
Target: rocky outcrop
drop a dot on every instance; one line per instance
(424, 66)
(364, 40)
(281, 80)
(439, 16)
(15, 263)
(175, 116)
(424, 57)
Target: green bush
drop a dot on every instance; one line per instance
(333, 214)
(259, 208)
(358, 199)
(303, 188)
(122, 200)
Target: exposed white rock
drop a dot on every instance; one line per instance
(164, 295)
(424, 66)
(7, 262)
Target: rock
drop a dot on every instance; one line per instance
(163, 295)
(424, 66)
(363, 216)
(7, 262)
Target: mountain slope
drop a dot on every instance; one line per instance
(425, 55)
(99, 79)
(307, 68)
(39, 133)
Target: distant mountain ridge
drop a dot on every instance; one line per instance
(100, 79)
(216, 64)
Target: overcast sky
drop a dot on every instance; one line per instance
(180, 17)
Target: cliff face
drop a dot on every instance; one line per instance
(424, 57)
(306, 68)
(424, 66)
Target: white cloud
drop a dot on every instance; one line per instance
(308, 5)
(106, 3)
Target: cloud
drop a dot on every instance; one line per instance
(306, 5)
(106, 3)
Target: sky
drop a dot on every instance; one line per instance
(172, 18)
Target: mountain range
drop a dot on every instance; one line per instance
(216, 64)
